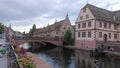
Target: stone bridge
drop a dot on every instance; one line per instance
(54, 41)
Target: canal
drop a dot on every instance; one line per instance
(60, 57)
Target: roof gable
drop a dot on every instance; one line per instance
(102, 14)
(54, 27)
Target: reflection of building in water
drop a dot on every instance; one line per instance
(83, 59)
(60, 56)
(109, 62)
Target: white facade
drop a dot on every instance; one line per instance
(85, 33)
(90, 29)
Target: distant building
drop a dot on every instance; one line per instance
(96, 26)
(18, 34)
(73, 32)
(56, 30)
(9, 31)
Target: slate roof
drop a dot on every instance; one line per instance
(117, 14)
(54, 27)
(103, 14)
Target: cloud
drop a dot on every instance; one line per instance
(28, 12)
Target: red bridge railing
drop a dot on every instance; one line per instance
(38, 38)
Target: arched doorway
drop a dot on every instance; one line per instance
(105, 37)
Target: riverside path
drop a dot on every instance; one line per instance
(3, 62)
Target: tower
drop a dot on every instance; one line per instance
(67, 16)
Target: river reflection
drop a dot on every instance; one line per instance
(68, 58)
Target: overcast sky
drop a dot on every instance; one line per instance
(22, 14)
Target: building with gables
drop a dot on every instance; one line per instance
(96, 26)
(11, 33)
(56, 30)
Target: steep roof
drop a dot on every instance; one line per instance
(117, 14)
(103, 14)
(54, 27)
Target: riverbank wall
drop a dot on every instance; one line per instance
(108, 52)
(39, 63)
(73, 47)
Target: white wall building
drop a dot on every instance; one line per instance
(95, 25)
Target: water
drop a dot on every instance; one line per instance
(25, 45)
(68, 58)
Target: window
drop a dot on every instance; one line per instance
(105, 25)
(115, 36)
(109, 25)
(109, 35)
(78, 34)
(100, 34)
(83, 34)
(100, 24)
(84, 10)
(89, 33)
(56, 32)
(79, 25)
(115, 26)
(87, 16)
(62, 32)
(81, 17)
(89, 24)
(64, 28)
(84, 25)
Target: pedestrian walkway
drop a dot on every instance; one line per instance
(3, 59)
(3, 62)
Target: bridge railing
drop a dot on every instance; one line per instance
(38, 38)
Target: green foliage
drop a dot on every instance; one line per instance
(67, 37)
(1, 28)
(34, 27)
(32, 30)
(2, 50)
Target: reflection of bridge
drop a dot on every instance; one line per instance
(55, 41)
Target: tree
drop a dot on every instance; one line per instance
(1, 28)
(67, 37)
(31, 32)
(34, 27)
